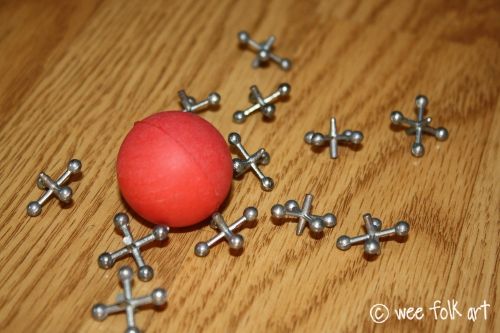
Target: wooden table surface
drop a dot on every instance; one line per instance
(76, 75)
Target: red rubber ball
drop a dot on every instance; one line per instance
(174, 168)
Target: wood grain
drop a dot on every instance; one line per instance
(76, 76)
